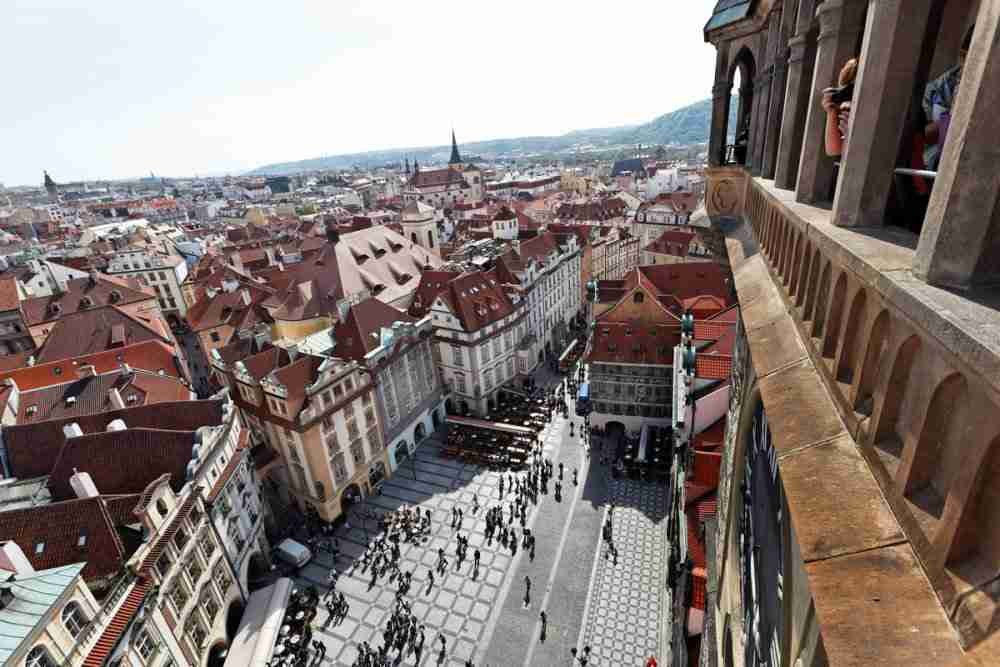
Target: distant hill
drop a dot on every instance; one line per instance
(686, 126)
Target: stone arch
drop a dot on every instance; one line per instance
(888, 439)
(852, 339)
(746, 65)
(419, 432)
(216, 654)
(413, 237)
(979, 522)
(234, 614)
(791, 262)
(835, 316)
(876, 353)
(926, 480)
(401, 452)
(803, 281)
(812, 290)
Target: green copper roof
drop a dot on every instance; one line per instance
(728, 11)
(34, 594)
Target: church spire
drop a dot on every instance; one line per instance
(455, 157)
(407, 166)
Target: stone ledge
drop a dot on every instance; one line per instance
(967, 326)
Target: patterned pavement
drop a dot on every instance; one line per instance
(457, 606)
(626, 601)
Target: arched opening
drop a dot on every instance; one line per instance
(436, 418)
(402, 452)
(926, 484)
(978, 534)
(799, 273)
(464, 407)
(234, 614)
(741, 77)
(878, 349)
(376, 474)
(848, 353)
(430, 239)
(258, 572)
(217, 655)
(449, 405)
(803, 281)
(812, 287)
(791, 261)
(832, 334)
(420, 432)
(352, 496)
(413, 237)
(888, 439)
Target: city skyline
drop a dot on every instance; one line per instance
(124, 90)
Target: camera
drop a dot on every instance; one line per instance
(842, 94)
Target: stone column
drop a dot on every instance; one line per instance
(801, 54)
(840, 25)
(762, 104)
(720, 107)
(782, 28)
(960, 242)
(883, 92)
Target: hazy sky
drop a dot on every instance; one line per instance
(114, 88)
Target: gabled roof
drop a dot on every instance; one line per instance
(674, 242)
(49, 536)
(90, 395)
(123, 461)
(477, 299)
(229, 308)
(101, 290)
(32, 449)
(359, 333)
(436, 177)
(91, 331)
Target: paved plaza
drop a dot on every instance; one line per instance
(589, 601)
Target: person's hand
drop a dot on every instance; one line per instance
(844, 118)
(828, 104)
(932, 133)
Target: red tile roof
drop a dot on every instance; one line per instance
(32, 449)
(713, 366)
(101, 290)
(436, 177)
(359, 332)
(118, 623)
(477, 299)
(97, 330)
(229, 308)
(672, 242)
(123, 461)
(90, 395)
(49, 536)
(9, 299)
(705, 471)
(150, 355)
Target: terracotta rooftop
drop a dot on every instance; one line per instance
(50, 535)
(90, 395)
(123, 461)
(82, 294)
(359, 332)
(32, 449)
(91, 331)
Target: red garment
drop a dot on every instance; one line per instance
(651, 662)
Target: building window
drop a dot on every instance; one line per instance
(457, 353)
(221, 578)
(300, 476)
(348, 385)
(39, 657)
(194, 571)
(339, 469)
(374, 440)
(207, 544)
(73, 618)
(357, 452)
(178, 595)
(209, 604)
(143, 644)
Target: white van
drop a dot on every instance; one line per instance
(292, 552)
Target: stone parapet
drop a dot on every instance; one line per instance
(899, 379)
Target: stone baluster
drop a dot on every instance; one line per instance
(840, 26)
(883, 92)
(960, 241)
(801, 57)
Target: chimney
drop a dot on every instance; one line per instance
(115, 398)
(116, 424)
(246, 298)
(72, 430)
(13, 559)
(83, 484)
(86, 371)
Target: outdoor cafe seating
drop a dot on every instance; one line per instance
(649, 456)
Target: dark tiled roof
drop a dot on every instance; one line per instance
(359, 333)
(49, 536)
(96, 330)
(101, 290)
(91, 395)
(123, 461)
(436, 177)
(32, 449)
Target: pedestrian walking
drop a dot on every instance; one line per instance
(527, 590)
(545, 622)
